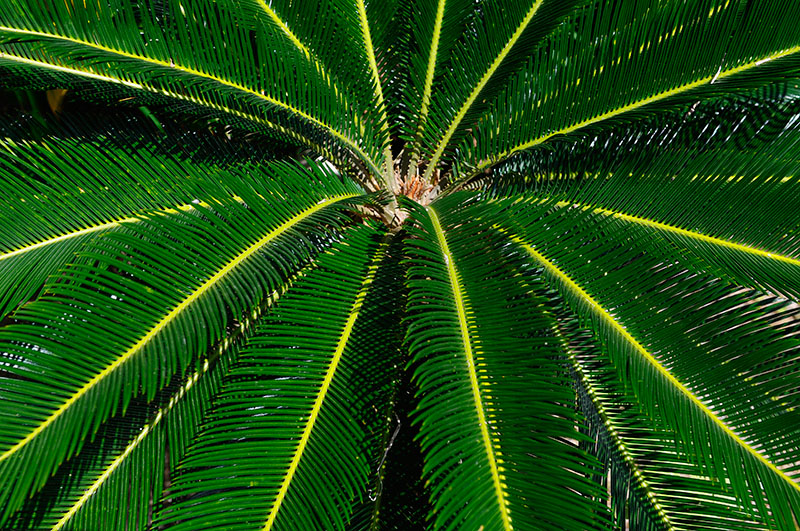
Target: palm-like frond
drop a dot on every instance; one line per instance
(600, 50)
(288, 409)
(103, 291)
(103, 485)
(653, 481)
(219, 311)
(107, 46)
(482, 445)
(494, 46)
(657, 347)
(711, 173)
(50, 210)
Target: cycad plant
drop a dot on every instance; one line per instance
(400, 264)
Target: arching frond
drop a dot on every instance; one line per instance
(602, 50)
(238, 256)
(139, 451)
(108, 46)
(496, 44)
(472, 367)
(300, 458)
(678, 337)
(653, 482)
(709, 197)
(63, 190)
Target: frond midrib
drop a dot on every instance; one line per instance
(462, 112)
(191, 381)
(171, 316)
(692, 234)
(604, 314)
(87, 230)
(171, 94)
(196, 73)
(650, 495)
(466, 341)
(355, 310)
(495, 159)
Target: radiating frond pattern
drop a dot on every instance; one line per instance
(400, 264)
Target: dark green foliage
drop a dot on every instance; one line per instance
(399, 264)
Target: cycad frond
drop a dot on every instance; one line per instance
(494, 45)
(473, 366)
(188, 307)
(656, 44)
(107, 46)
(712, 405)
(128, 457)
(297, 444)
(653, 481)
(61, 192)
(724, 184)
(103, 485)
